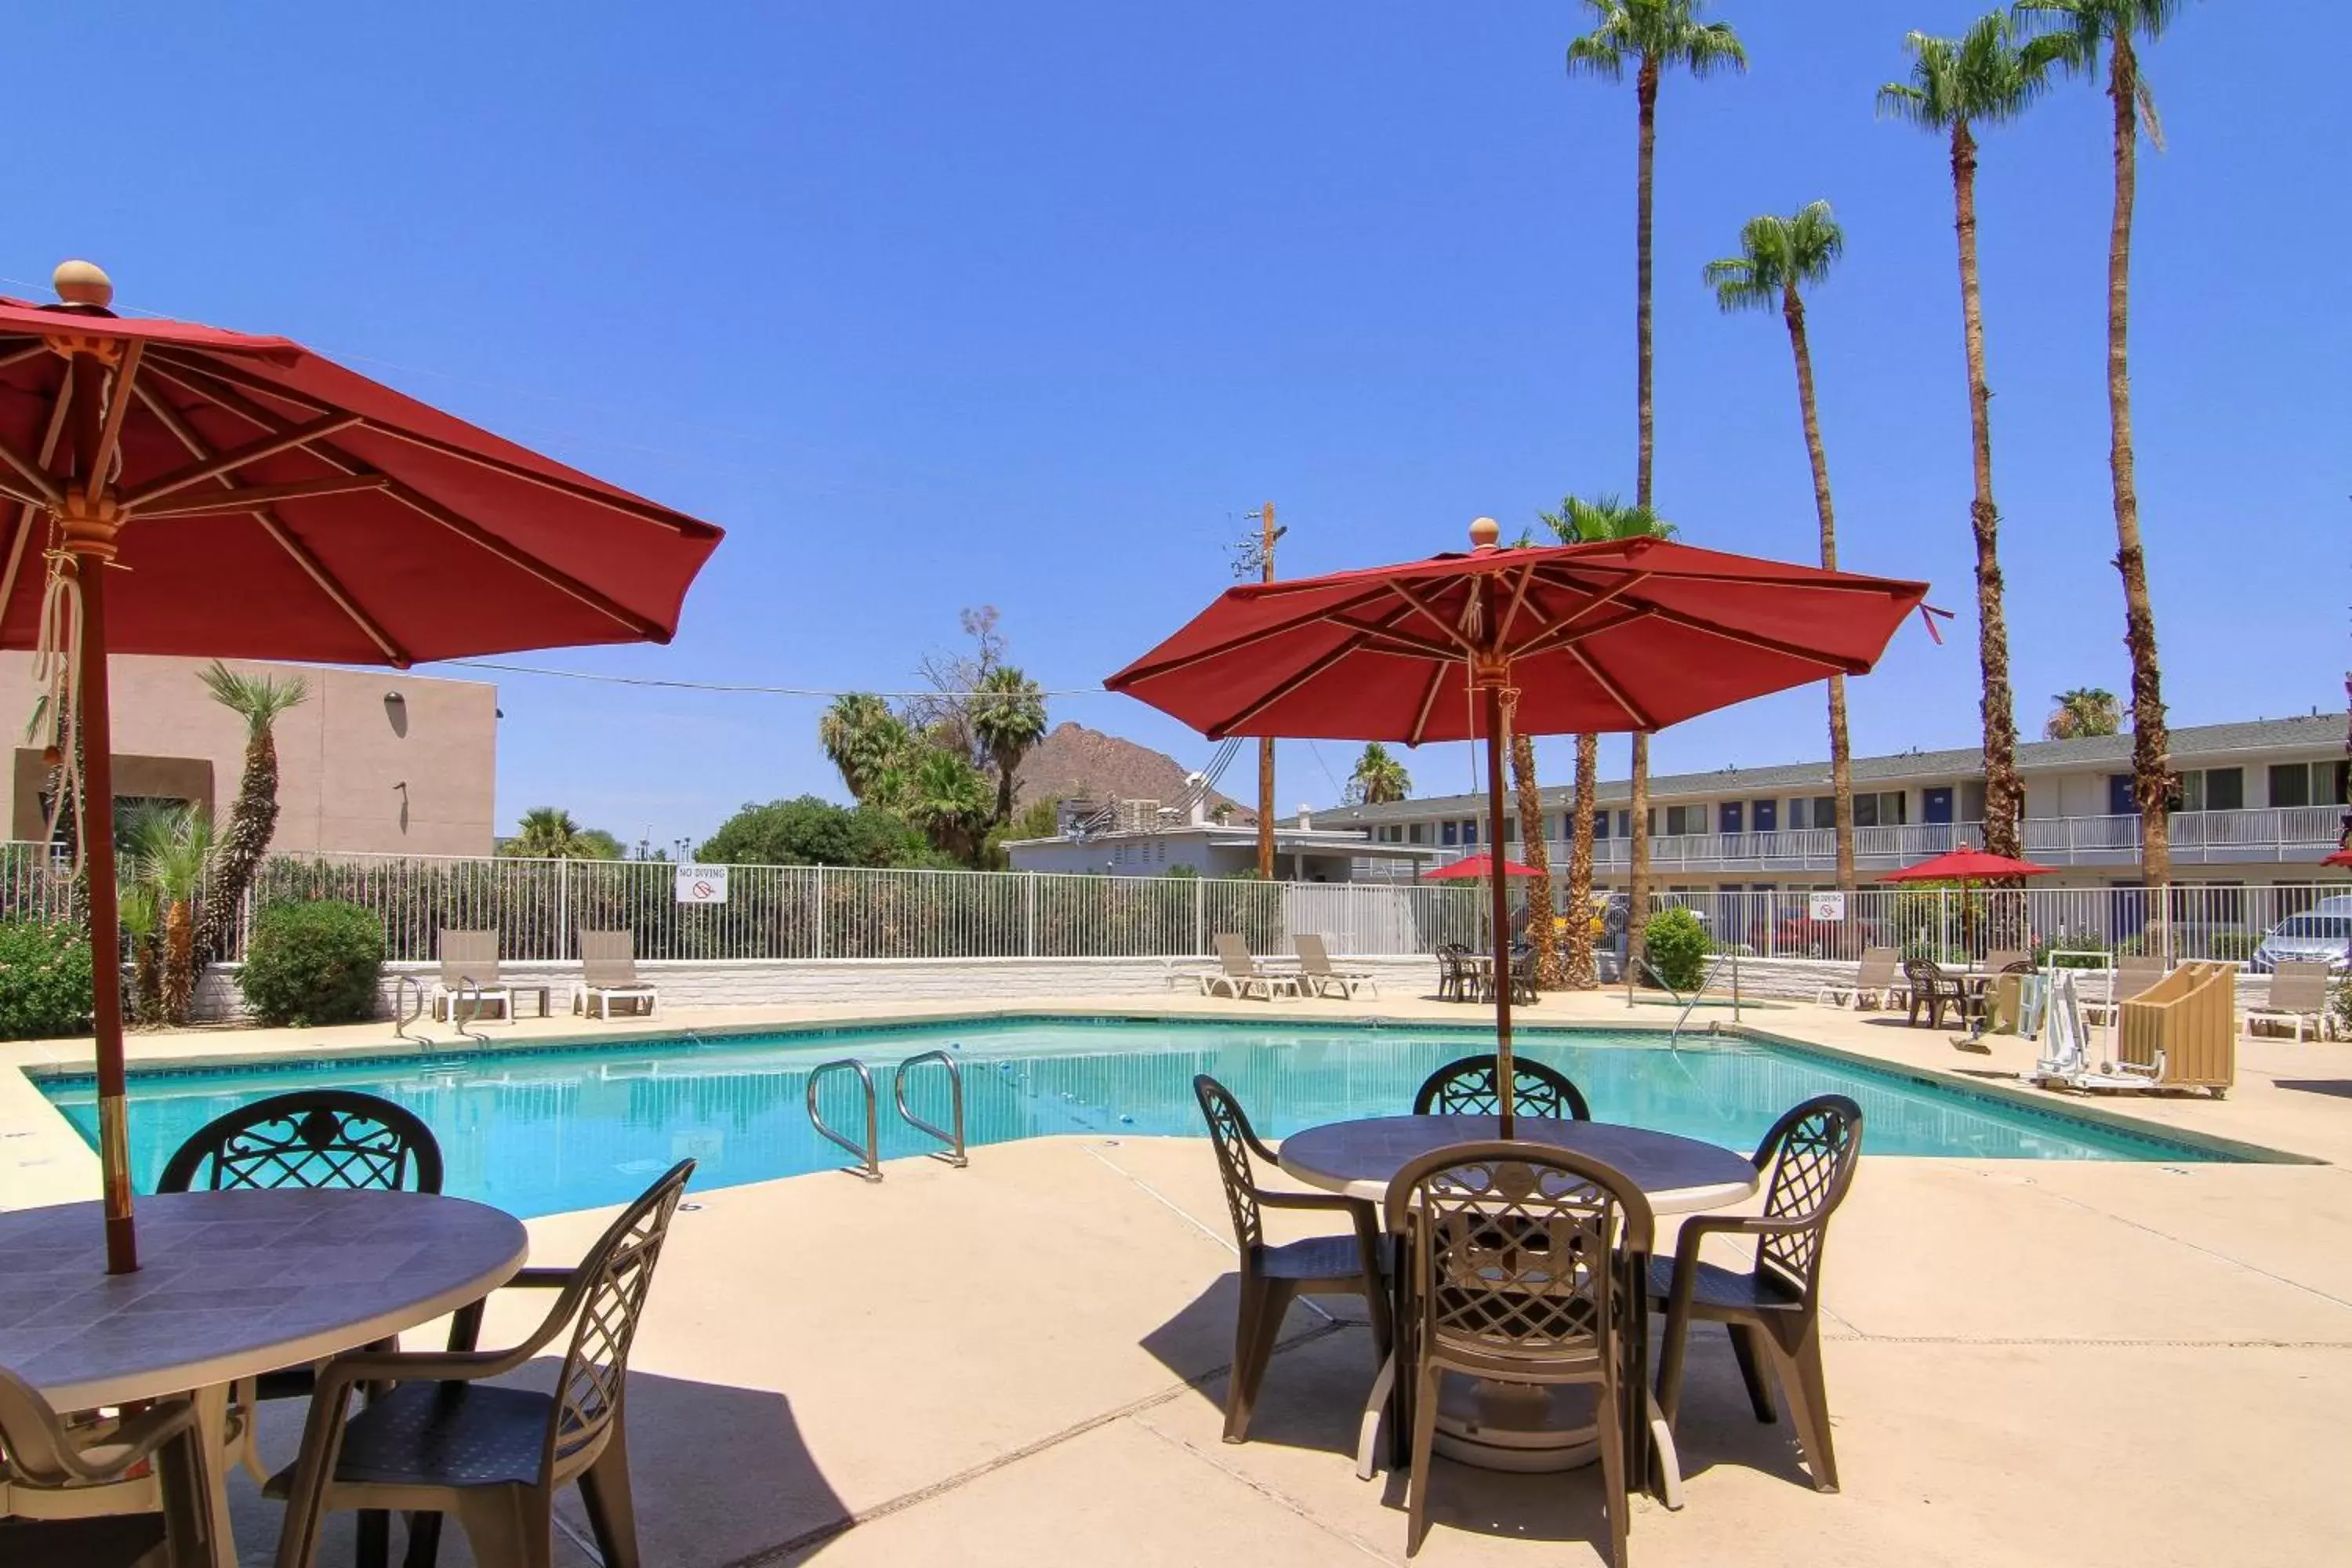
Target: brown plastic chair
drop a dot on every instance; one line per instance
(1273, 1274)
(88, 1493)
(1468, 1088)
(2297, 999)
(446, 1441)
(469, 968)
(1516, 1268)
(1933, 989)
(1773, 1312)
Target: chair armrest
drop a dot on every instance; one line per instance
(1695, 1232)
(1330, 1202)
(540, 1279)
(131, 1443)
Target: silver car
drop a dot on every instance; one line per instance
(2323, 931)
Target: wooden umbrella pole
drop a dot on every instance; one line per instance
(1497, 909)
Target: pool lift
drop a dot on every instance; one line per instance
(2065, 1060)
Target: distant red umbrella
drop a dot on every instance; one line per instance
(178, 488)
(1621, 635)
(1967, 865)
(1480, 865)
(2341, 858)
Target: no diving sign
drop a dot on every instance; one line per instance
(703, 884)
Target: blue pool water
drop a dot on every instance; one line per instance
(541, 1131)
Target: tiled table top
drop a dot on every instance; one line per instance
(1679, 1176)
(234, 1284)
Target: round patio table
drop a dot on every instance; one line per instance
(234, 1284)
(1521, 1427)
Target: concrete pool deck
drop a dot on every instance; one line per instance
(2029, 1361)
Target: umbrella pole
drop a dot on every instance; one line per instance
(1497, 912)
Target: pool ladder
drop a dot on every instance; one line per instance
(869, 1151)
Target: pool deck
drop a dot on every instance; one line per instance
(1022, 1363)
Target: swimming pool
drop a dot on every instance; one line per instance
(543, 1129)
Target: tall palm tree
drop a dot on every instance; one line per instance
(259, 700)
(1981, 77)
(1581, 519)
(2085, 711)
(1378, 777)
(948, 800)
(863, 738)
(2076, 31)
(1008, 717)
(1777, 256)
(1655, 35)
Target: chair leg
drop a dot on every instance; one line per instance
(374, 1538)
(1614, 1496)
(1670, 1367)
(1253, 1351)
(1424, 1436)
(424, 1540)
(1808, 1406)
(611, 1511)
(512, 1527)
(1747, 1348)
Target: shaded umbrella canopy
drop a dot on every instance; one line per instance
(278, 506)
(2341, 858)
(1615, 635)
(1967, 865)
(1476, 865)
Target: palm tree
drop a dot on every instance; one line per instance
(2085, 711)
(1655, 34)
(1980, 78)
(550, 833)
(136, 905)
(1378, 777)
(1579, 519)
(1779, 255)
(864, 739)
(946, 799)
(2077, 31)
(1008, 717)
(172, 850)
(259, 700)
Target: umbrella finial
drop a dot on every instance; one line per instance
(1484, 532)
(83, 283)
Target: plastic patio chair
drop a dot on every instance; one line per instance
(608, 973)
(1273, 1274)
(447, 1441)
(1516, 1268)
(91, 1494)
(469, 967)
(1933, 989)
(1468, 1087)
(1773, 1310)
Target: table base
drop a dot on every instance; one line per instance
(1525, 1428)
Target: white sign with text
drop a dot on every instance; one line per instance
(703, 884)
(1825, 907)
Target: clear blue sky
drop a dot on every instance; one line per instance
(935, 304)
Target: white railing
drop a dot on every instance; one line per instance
(822, 911)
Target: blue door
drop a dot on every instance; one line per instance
(1936, 804)
(1727, 815)
(2119, 796)
(1767, 814)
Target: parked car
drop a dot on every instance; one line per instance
(2323, 931)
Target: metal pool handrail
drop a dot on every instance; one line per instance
(954, 1152)
(458, 1001)
(401, 986)
(869, 1163)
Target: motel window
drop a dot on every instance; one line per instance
(1973, 800)
(1413, 834)
(1601, 824)
(1510, 830)
(2291, 784)
(2213, 789)
(1682, 819)
(1817, 811)
(1625, 823)
(1886, 809)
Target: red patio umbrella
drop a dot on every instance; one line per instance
(1478, 864)
(2341, 858)
(1967, 865)
(1621, 634)
(178, 488)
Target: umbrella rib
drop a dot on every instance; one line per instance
(1136, 673)
(1518, 597)
(34, 474)
(1404, 641)
(1560, 634)
(25, 515)
(169, 417)
(117, 405)
(632, 506)
(1818, 580)
(219, 463)
(1428, 705)
(1601, 677)
(253, 496)
(1453, 634)
(1754, 640)
(30, 350)
(1285, 687)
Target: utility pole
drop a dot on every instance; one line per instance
(1265, 745)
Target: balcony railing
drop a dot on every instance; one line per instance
(2282, 833)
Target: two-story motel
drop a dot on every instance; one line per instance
(2258, 803)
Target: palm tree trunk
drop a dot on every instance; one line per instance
(2150, 776)
(1793, 310)
(147, 973)
(179, 984)
(2004, 795)
(1579, 973)
(1540, 908)
(252, 823)
(1646, 95)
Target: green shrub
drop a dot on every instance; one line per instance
(43, 981)
(1677, 946)
(311, 963)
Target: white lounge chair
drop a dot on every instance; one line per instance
(608, 970)
(1241, 975)
(1877, 983)
(1317, 975)
(469, 963)
(2298, 996)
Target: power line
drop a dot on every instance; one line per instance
(733, 689)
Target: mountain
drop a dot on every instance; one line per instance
(1076, 763)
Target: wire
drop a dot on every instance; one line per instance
(735, 689)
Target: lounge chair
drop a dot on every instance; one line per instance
(608, 970)
(2135, 973)
(1241, 975)
(469, 962)
(2298, 996)
(1877, 983)
(1317, 975)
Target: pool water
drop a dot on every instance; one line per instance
(546, 1129)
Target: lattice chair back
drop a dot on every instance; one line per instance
(312, 1138)
(1236, 1142)
(608, 1291)
(1810, 1151)
(1469, 1088)
(1519, 1253)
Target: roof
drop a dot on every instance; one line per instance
(1287, 840)
(2320, 732)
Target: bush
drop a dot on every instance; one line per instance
(1677, 946)
(311, 963)
(43, 981)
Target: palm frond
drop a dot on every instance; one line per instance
(1901, 101)
(1706, 48)
(1740, 284)
(1596, 55)
(258, 699)
(2144, 98)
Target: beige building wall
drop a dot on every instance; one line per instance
(374, 760)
